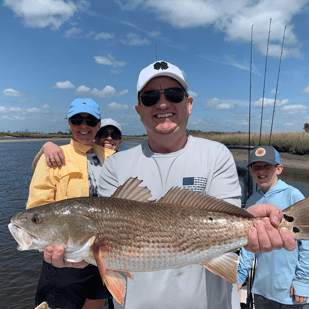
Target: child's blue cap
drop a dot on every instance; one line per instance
(265, 154)
(84, 106)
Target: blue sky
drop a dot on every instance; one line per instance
(53, 51)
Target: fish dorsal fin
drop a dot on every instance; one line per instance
(131, 190)
(186, 198)
(225, 266)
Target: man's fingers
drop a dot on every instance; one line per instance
(253, 242)
(48, 253)
(289, 243)
(58, 255)
(267, 210)
(299, 299)
(55, 256)
(54, 155)
(273, 235)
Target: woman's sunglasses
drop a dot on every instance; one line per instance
(114, 135)
(78, 119)
(152, 97)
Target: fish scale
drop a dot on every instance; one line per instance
(160, 232)
(128, 233)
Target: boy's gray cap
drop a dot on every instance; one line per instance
(110, 122)
(265, 154)
(160, 68)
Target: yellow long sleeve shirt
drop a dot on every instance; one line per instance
(68, 181)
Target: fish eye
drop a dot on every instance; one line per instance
(35, 220)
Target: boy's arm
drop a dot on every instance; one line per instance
(54, 156)
(301, 279)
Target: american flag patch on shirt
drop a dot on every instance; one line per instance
(194, 183)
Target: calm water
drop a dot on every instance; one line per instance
(19, 271)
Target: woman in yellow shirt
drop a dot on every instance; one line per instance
(70, 288)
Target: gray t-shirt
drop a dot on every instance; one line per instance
(203, 166)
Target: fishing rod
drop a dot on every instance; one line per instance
(264, 83)
(272, 120)
(250, 87)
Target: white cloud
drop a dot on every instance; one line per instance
(216, 103)
(83, 88)
(33, 110)
(72, 33)
(305, 91)
(64, 85)
(117, 106)
(12, 92)
(154, 34)
(12, 118)
(109, 60)
(4, 109)
(234, 19)
(293, 109)
(106, 92)
(270, 102)
(192, 94)
(122, 92)
(99, 36)
(46, 106)
(41, 14)
(224, 106)
(133, 39)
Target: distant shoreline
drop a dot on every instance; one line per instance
(21, 139)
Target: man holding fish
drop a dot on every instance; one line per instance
(168, 159)
(172, 158)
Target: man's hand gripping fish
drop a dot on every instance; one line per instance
(127, 233)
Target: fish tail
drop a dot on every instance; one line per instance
(296, 219)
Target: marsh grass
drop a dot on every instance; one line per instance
(292, 142)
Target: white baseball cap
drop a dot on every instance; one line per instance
(110, 122)
(160, 68)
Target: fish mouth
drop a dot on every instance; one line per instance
(25, 240)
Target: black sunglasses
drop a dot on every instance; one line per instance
(152, 97)
(78, 119)
(104, 133)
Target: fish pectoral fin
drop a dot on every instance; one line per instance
(225, 266)
(129, 275)
(114, 282)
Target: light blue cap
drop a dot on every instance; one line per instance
(84, 106)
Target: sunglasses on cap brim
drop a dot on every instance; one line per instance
(78, 119)
(152, 97)
(104, 133)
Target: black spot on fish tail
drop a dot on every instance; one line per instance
(211, 219)
(288, 218)
(296, 229)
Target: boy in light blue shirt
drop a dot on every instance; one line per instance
(281, 277)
